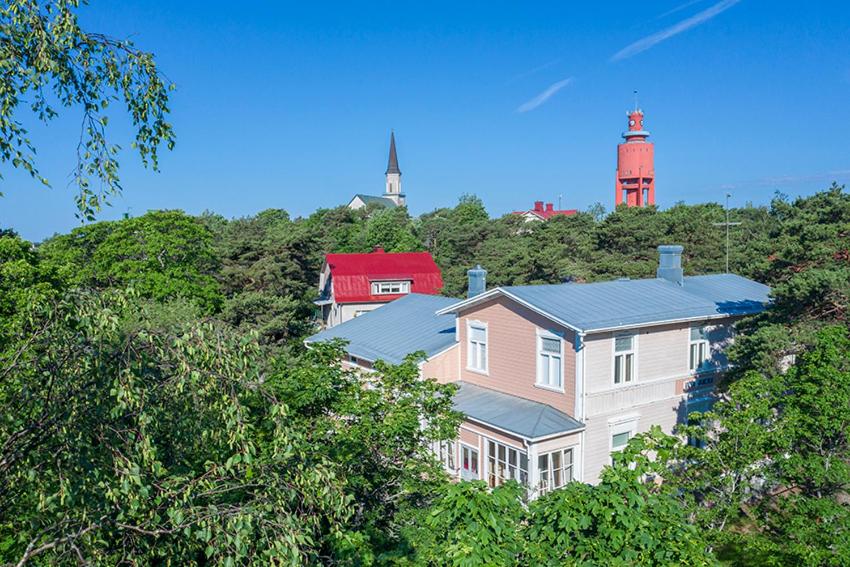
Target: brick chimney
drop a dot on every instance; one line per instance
(377, 250)
(550, 208)
(538, 206)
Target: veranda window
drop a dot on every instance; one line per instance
(556, 469)
(505, 463)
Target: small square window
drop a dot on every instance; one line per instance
(620, 440)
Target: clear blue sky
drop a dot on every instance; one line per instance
(290, 104)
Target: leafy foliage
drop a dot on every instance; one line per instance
(159, 445)
(183, 421)
(25, 283)
(626, 519)
(378, 429)
(162, 254)
(777, 468)
(48, 61)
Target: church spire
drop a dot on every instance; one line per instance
(392, 164)
(393, 191)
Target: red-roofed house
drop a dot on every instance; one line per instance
(539, 212)
(352, 284)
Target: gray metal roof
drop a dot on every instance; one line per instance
(394, 330)
(369, 199)
(627, 303)
(526, 418)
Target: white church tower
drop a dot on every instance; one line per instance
(394, 176)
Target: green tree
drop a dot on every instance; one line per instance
(772, 483)
(269, 270)
(163, 254)
(632, 517)
(806, 260)
(159, 446)
(25, 284)
(469, 525)
(48, 61)
(377, 428)
(391, 229)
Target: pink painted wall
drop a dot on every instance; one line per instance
(512, 351)
(442, 367)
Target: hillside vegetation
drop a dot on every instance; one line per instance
(159, 406)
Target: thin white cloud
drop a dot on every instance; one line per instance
(684, 25)
(537, 69)
(678, 8)
(548, 93)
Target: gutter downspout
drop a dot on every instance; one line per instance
(581, 396)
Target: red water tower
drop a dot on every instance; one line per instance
(635, 165)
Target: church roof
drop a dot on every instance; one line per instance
(392, 164)
(369, 199)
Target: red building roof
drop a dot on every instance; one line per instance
(546, 213)
(352, 275)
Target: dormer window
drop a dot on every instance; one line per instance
(390, 288)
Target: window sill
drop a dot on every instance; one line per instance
(478, 371)
(549, 388)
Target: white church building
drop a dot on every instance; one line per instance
(392, 197)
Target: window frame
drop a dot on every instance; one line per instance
(492, 476)
(552, 335)
(626, 424)
(403, 286)
(469, 350)
(447, 453)
(472, 451)
(546, 488)
(615, 354)
(706, 352)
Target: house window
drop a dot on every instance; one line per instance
(620, 440)
(468, 463)
(477, 347)
(505, 463)
(621, 431)
(549, 367)
(698, 352)
(390, 288)
(447, 453)
(624, 359)
(556, 469)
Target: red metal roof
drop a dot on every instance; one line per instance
(546, 212)
(352, 274)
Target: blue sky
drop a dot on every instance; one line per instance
(290, 105)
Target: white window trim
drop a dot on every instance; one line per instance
(404, 287)
(573, 467)
(486, 458)
(614, 355)
(541, 334)
(698, 370)
(459, 461)
(624, 424)
(454, 456)
(480, 324)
